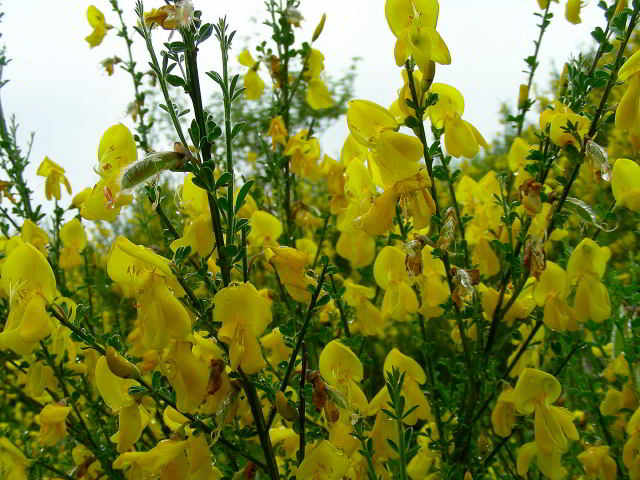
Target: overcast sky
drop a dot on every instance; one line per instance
(59, 90)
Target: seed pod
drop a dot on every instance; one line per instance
(152, 164)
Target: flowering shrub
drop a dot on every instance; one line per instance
(428, 305)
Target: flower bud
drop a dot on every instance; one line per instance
(523, 95)
(319, 28)
(427, 77)
(563, 83)
(120, 366)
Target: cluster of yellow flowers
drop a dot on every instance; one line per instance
(443, 296)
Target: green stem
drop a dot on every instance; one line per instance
(298, 345)
(131, 68)
(263, 431)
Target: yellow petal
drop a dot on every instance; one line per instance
(630, 67)
(625, 183)
(450, 101)
(366, 120)
(117, 148)
(26, 271)
(318, 95)
(338, 363)
(535, 386)
(553, 281)
(323, 460)
(187, 375)
(113, 389)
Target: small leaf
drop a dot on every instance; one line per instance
(242, 193)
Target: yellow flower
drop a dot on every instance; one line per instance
(199, 460)
(341, 368)
(131, 264)
(198, 234)
(253, 84)
(278, 132)
(625, 184)
(54, 174)
(309, 247)
(597, 463)
(572, 11)
(188, 376)
(548, 464)
(413, 23)
(304, 153)
(244, 315)
(535, 392)
(318, 95)
(460, 137)
(419, 465)
(248, 207)
(265, 230)
(587, 259)
(161, 316)
(503, 416)
(28, 279)
(36, 236)
(520, 309)
(377, 214)
(414, 377)
(132, 417)
(323, 462)
(52, 424)
(367, 120)
(631, 456)
(586, 267)
(356, 246)
(352, 148)
(168, 457)
(99, 24)
(13, 461)
(562, 138)
(551, 291)
(290, 263)
(518, 153)
(274, 343)
(314, 64)
(81, 197)
(116, 150)
(628, 112)
(368, 317)
(391, 275)
(74, 239)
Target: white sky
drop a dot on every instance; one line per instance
(59, 90)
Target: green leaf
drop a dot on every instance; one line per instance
(205, 32)
(224, 180)
(174, 80)
(229, 250)
(237, 128)
(242, 194)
